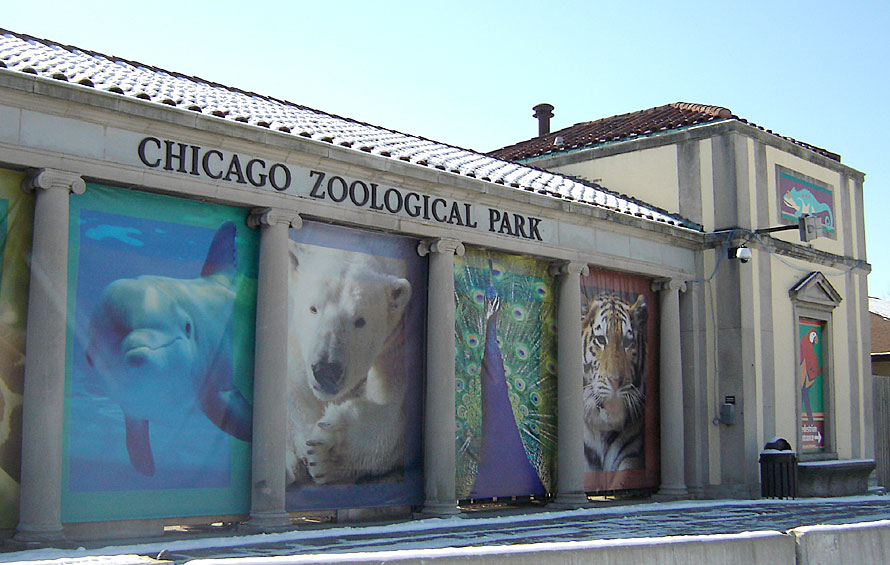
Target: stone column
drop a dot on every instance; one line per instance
(439, 463)
(40, 515)
(267, 503)
(570, 388)
(673, 482)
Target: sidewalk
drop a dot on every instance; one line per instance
(502, 527)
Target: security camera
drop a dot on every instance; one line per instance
(743, 254)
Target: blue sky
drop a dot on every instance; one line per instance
(468, 73)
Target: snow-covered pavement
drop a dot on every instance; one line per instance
(489, 529)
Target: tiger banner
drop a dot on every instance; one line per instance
(620, 339)
(505, 369)
(16, 226)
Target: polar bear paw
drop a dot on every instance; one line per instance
(326, 449)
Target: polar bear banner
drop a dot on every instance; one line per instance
(347, 381)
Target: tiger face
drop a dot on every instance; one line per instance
(614, 341)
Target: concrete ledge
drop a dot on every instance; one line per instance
(354, 515)
(849, 543)
(834, 478)
(730, 549)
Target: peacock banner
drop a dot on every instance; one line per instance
(159, 357)
(812, 399)
(355, 369)
(505, 369)
(16, 226)
(619, 328)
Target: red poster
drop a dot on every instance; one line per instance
(812, 413)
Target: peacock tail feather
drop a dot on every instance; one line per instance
(527, 341)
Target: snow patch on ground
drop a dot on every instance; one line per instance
(424, 525)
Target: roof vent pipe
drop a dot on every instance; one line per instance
(543, 112)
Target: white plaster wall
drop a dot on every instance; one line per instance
(714, 467)
(785, 274)
(784, 344)
(650, 175)
(707, 184)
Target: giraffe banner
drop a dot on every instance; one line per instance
(16, 226)
(505, 369)
(619, 328)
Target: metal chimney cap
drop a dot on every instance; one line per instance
(543, 113)
(543, 110)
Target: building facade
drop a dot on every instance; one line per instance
(744, 322)
(235, 308)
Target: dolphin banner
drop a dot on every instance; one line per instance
(16, 226)
(159, 372)
(357, 308)
(619, 336)
(505, 373)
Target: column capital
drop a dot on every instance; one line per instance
(272, 216)
(663, 285)
(440, 245)
(569, 267)
(53, 178)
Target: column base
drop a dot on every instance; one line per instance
(668, 493)
(265, 522)
(32, 534)
(568, 501)
(438, 510)
(696, 493)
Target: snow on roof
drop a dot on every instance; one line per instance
(21, 53)
(879, 307)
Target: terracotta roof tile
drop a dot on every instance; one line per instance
(643, 123)
(78, 68)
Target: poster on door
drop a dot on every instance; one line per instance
(812, 383)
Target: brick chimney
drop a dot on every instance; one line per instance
(543, 112)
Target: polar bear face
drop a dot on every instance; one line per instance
(344, 313)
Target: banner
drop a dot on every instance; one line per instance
(505, 368)
(355, 369)
(161, 310)
(801, 195)
(812, 399)
(16, 226)
(619, 327)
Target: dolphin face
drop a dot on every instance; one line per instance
(141, 345)
(162, 348)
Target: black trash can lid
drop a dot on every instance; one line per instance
(778, 444)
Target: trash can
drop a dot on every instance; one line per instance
(778, 470)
